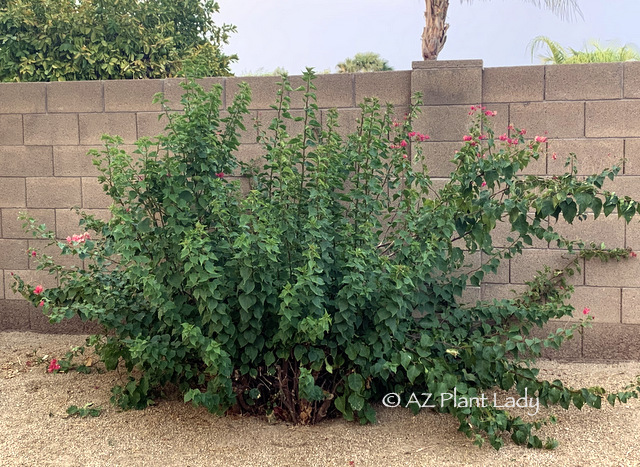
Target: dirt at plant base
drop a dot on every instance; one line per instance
(34, 429)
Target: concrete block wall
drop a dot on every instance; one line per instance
(593, 110)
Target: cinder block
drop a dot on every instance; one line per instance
(251, 154)
(75, 96)
(583, 82)
(42, 247)
(13, 254)
(437, 157)
(632, 156)
(122, 95)
(571, 349)
(536, 167)
(335, 90)
(492, 292)
(12, 193)
(612, 118)
(443, 123)
(173, 90)
(22, 161)
(429, 64)
(394, 87)
(14, 315)
(93, 194)
(264, 90)
(53, 192)
(470, 296)
(626, 185)
(526, 265)
(347, 120)
(604, 303)
(448, 86)
(30, 277)
(150, 125)
(632, 238)
(609, 341)
(93, 126)
(624, 273)
(594, 155)
(74, 161)
(51, 129)
(293, 128)
(631, 80)
(12, 226)
(40, 323)
(608, 230)
(248, 136)
(513, 84)
(67, 221)
(22, 98)
(553, 119)
(631, 306)
(437, 185)
(11, 130)
(501, 276)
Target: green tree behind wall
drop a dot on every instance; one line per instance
(59, 40)
(362, 62)
(594, 52)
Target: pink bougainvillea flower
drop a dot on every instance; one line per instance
(483, 184)
(491, 113)
(411, 134)
(481, 137)
(511, 127)
(541, 139)
(404, 156)
(633, 254)
(523, 132)
(53, 366)
(473, 143)
(41, 303)
(586, 311)
(422, 137)
(220, 175)
(33, 254)
(473, 107)
(38, 290)
(467, 138)
(503, 137)
(403, 144)
(554, 156)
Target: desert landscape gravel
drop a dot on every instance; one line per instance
(35, 429)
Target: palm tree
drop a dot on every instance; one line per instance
(599, 54)
(361, 62)
(434, 34)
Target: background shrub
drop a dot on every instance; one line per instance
(60, 40)
(335, 280)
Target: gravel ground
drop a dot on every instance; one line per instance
(35, 431)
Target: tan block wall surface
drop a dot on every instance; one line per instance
(46, 130)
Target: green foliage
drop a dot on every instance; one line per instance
(335, 280)
(363, 62)
(63, 40)
(85, 411)
(598, 54)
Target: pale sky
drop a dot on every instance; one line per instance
(294, 34)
